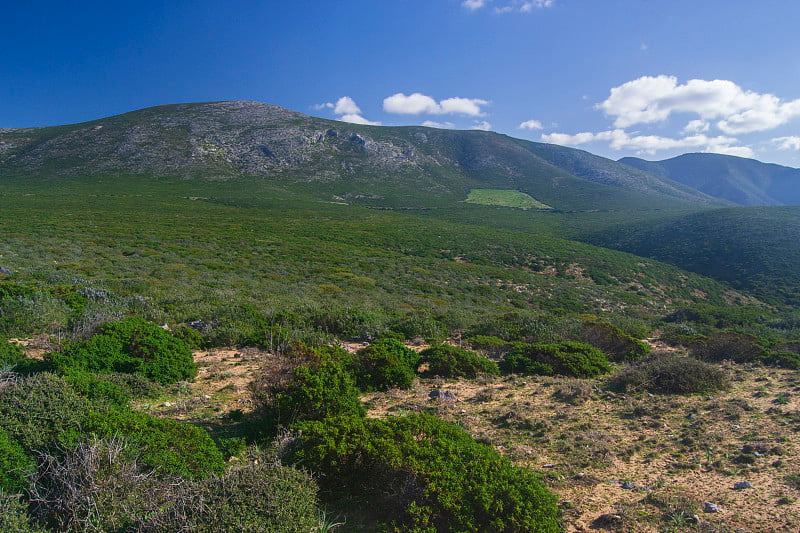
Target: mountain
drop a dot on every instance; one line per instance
(742, 181)
(372, 165)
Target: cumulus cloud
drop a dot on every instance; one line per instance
(348, 111)
(482, 125)
(619, 139)
(417, 103)
(787, 143)
(440, 125)
(696, 126)
(508, 6)
(652, 99)
(356, 118)
(531, 125)
(346, 106)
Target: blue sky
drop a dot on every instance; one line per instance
(615, 77)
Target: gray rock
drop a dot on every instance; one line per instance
(741, 485)
(443, 395)
(709, 507)
(628, 485)
(5, 271)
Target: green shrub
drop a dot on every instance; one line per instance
(11, 353)
(44, 409)
(171, 446)
(14, 517)
(385, 364)
(130, 346)
(453, 362)
(307, 384)
(670, 374)
(95, 388)
(575, 359)
(418, 473)
(494, 347)
(727, 345)
(97, 485)
(14, 464)
(190, 336)
(258, 498)
(782, 359)
(615, 343)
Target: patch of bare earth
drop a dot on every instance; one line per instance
(677, 452)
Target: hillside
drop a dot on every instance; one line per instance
(742, 181)
(754, 249)
(379, 166)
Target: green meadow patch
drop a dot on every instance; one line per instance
(504, 198)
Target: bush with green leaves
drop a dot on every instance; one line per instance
(729, 345)
(418, 473)
(43, 409)
(14, 516)
(14, 464)
(173, 447)
(307, 384)
(448, 361)
(494, 347)
(575, 359)
(130, 346)
(385, 364)
(95, 388)
(97, 485)
(258, 498)
(11, 353)
(671, 374)
(615, 343)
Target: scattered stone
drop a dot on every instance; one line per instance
(5, 271)
(628, 485)
(443, 395)
(167, 404)
(741, 485)
(206, 397)
(549, 465)
(709, 507)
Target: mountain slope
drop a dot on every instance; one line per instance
(374, 165)
(739, 180)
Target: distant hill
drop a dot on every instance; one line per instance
(742, 181)
(330, 160)
(756, 249)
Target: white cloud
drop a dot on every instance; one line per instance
(472, 5)
(654, 98)
(787, 143)
(320, 107)
(440, 125)
(696, 126)
(482, 125)
(508, 6)
(619, 139)
(531, 125)
(417, 103)
(346, 106)
(356, 118)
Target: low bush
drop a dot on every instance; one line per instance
(492, 346)
(670, 374)
(727, 345)
(14, 465)
(575, 359)
(307, 384)
(130, 346)
(190, 336)
(385, 364)
(171, 446)
(95, 388)
(43, 409)
(418, 473)
(453, 362)
(14, 517)
(258, 498)
(11, 353)
(98, 485)
(615, 343)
